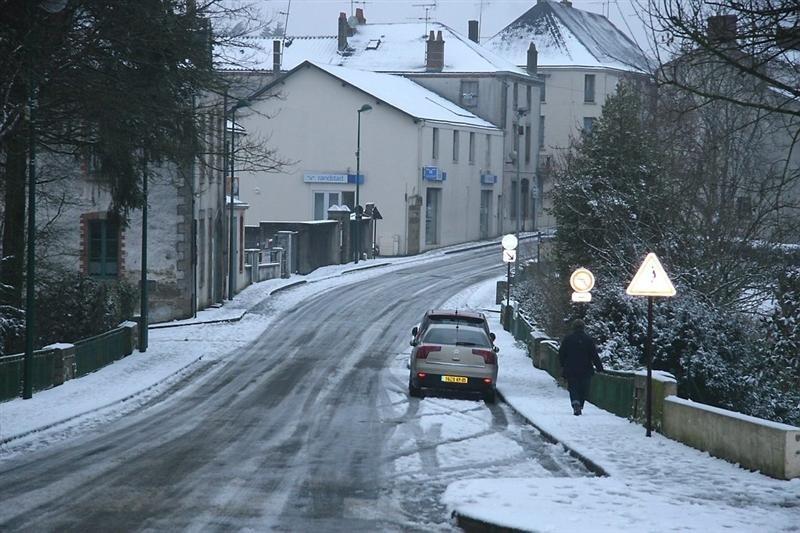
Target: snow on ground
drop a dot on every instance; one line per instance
(172, 354)
(653, 484)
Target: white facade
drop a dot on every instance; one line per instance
(313, 123)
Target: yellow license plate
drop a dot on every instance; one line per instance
(454, 379)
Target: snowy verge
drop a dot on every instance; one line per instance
(654, 484)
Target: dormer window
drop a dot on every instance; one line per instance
(373, 44)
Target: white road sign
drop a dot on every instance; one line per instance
(509, 242)
(651, 279)
(509, 256)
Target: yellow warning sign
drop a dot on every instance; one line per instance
(651, 280)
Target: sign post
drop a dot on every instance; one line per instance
(650, 280)
(509, 243)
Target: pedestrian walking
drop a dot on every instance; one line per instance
(578, 357)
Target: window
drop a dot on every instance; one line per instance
(527, 144)
(588, 88)
(543, 92)
(469, 93)
(455, 146)
(541, 131)
(488, 151)
(435, 153)
(528, 97)
(103, 248)
(471, 147)
(322, 201)
(433, 197)
(513, 198)
(349, 199)
(516, 95)
(201, 252)
(588, 122)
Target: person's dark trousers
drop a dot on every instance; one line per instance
(579, 389)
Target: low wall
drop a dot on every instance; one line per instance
(317, 242)
(756, 444)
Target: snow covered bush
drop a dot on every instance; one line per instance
(71, 306)
(12, 324)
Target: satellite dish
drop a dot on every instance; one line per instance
(352, 21)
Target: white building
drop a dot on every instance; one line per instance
(442, 60)
(582, 57)
(432, 168)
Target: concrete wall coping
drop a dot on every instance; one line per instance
(658, 375)
(732, 414)
(58, 346)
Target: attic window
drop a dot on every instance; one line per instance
(373, 44)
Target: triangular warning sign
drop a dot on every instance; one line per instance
(651, 280)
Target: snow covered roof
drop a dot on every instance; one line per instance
(398, 92)
(391, 47)
(566, 36)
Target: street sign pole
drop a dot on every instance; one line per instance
(650, 280)
(649, 356)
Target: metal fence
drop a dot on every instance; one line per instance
(98, 351)
(48, 365)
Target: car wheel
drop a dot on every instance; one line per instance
(490, 396)
(414, 392)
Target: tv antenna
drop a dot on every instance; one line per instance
(286, 20)
(428, 8)
(363, 3)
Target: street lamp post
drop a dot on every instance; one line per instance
(521, 112)
(365, 107)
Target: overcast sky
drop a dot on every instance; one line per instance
(318, 17)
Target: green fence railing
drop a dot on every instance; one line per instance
(96, 352)
(49, 365)
(11, 369)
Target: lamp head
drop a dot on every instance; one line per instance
(365, 107)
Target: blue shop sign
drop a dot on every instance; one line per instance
(433, 174)
(488, 179)
(351, 178)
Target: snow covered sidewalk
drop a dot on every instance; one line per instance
(653, 484)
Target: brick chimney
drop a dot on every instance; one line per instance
(434, 53)
(722, 28)
(276, 56)
(344, 31)
(533, 59)
(360, 16)
(473, 31)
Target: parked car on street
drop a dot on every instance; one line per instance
(453, 350)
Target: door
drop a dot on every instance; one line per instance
(486, 210)
(433, 198)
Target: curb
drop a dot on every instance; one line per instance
(217, 321)
(288, 286)
(588, 463)
(24, 434)
(365, 268)
(473, 525)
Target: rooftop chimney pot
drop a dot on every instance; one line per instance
(473, 31)
(533, 59)
(434, 53)
(360, 16)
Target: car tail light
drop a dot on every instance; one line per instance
(489, 357)
(423, 351)
(422, 375)
(488, 381)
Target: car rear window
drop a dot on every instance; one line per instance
(462, 336)
(450, 319)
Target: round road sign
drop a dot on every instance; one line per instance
(581, 280)
(509, 242)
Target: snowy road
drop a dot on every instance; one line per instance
(307, 428)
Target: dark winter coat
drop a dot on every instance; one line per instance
(578, 354)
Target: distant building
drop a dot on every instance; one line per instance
(582, 57)
(434, 56)
(432, 168)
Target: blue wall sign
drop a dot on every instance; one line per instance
(488, 179)
(433, 174)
